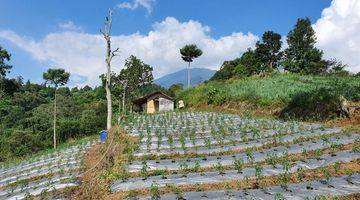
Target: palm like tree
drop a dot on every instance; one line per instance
(188, 53)
(56, 77)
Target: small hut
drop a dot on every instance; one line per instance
(154, 102)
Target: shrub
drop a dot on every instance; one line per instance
(216, 96)
(319, 104)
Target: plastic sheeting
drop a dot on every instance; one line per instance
(337, 186)
(216, 177)
(228, 147)
(16, 181)
(174, 164)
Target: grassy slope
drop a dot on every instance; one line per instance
(277, 90)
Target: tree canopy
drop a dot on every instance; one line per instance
(56, 77)
(4, 58)
(189, 52)
(302, 56)
(268, 50)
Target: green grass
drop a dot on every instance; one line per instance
(276, 90)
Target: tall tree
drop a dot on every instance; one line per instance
(302, 56)
(4, 67)
(56, 77)
(110, 54)
(135, 75)
(268, 50)
(188, 53)
(249, 64)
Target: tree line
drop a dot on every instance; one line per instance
(300, 56)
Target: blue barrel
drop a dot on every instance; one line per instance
(103, 135)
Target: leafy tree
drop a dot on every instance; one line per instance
(226, 70)
(10, 86)
(337, 68)
(249, 64)
(268, 50)
(134, 76)
(4, 67)
(302, 56)
(188, 53)
(56, 77)
(175, 89)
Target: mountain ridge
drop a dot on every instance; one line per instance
(197, 75)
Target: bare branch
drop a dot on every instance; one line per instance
(115, 53)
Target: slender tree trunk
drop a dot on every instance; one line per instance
(54, 136)
(123, 102)
(188, 79)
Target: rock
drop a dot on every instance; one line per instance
(344, 107)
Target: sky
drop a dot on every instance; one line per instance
(65, 34)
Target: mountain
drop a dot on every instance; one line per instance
(198, 75)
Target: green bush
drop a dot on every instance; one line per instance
(319, 105)
(216, 96)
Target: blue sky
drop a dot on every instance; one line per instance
(31, 22)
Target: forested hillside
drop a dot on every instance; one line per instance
(27, 109)
(26, 116)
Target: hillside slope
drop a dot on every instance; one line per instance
(277, 91)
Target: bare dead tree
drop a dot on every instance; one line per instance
(110, 54)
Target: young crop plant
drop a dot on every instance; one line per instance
(196, 167)
(182, 142)
(304, 152)
(239, 165)
(159, 141)
(318, 153)
(258, 174)
(144, 170)
(300, 174)
(327, 175)
(132, 194)
(183, 167)
(250, 155)
(170, 141)
(279, 196)
(207, 142)
(154, 191)
(243, 137)
(337, 167)
(220, 168)
(272, 159)
(255, 133)
(148, 142)
(192, 137)
(286, 176)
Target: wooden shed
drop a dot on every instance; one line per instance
(154, 102)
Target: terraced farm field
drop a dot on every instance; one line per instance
(42, 175)
(201, 155)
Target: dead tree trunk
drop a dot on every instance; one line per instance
(54, 136)
(109, 56)
(123, 100)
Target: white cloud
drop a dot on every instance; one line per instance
(338, 31)
(83, 54)
(70, 26)
(147, 4)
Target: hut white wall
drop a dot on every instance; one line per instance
(165, 104)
